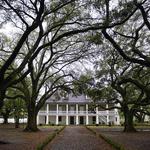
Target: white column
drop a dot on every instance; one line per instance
(67, 122)
(57, 114)
(87, 117)
(107, 112)
(97, 119)
(117, 118)
(37, 120)
(77, 117)
(47, 112)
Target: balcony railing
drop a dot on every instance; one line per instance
(100, 113)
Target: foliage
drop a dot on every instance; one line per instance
(13, 108)
(41, 26)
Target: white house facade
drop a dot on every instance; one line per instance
(76, 110)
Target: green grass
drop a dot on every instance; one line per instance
(49, 139)
(49, 126)
(115, 145)
(105, 126)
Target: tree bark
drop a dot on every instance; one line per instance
(16, 122)
(128, 124)
(31, 123)
(2, 96)
(5, 117)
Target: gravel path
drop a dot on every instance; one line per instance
(77, 138)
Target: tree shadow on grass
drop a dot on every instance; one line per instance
(4, 142)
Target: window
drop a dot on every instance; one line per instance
(59, 118)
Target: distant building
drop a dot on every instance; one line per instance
(76, 110)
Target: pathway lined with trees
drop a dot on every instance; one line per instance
(52, 38)
(77, 138)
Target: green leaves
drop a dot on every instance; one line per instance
(95, 38)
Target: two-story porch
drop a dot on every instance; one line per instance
(75, 114)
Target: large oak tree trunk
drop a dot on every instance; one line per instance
(2, 96)
(128, 124)
(31, 123)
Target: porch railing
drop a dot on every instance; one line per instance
(100, 113)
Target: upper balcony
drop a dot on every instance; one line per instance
(100, 113)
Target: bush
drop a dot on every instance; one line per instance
(109, 124)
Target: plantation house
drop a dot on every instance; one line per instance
(76, 110)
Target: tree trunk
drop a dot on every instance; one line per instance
(2, 96)
(16, 122)
(31, 123)
(128, 124)
(5, 117)
(141, 118)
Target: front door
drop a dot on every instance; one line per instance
(81, 120)
(94, 119)
(71, 120)
(45, 118)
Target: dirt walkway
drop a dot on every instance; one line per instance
(77, 138)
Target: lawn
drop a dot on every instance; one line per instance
(130, 141)
(16, 139)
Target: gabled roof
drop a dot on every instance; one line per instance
(71, 99)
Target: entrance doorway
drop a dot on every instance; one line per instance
(81, 120)
(94, 119)
(71, 120)
(45, 119)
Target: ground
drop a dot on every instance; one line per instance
(131, 141)
(77, 138)
(73, 138)
(19, 140)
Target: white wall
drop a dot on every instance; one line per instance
(11, 120)
(41, 119)
(52, 119)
